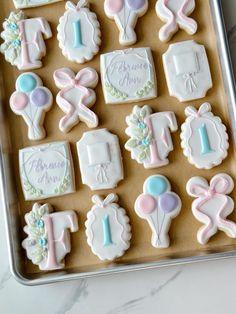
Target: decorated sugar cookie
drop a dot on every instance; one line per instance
(128, 76)
(31, 100)
(100, 159)
(107, 228)
(212, 205)
(24, 4)
(175, 14)
(204, 137)
(46, 170)
(76, 97)
(126, 13)
(79, 32)
(48, 236)
(24, 40)
(150, 139)
(158, 205)
(187, 70)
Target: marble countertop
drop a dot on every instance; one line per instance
(200, 288)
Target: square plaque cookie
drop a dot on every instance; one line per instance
(128, 76)
(46, 170)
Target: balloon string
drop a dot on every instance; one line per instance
(164, 216)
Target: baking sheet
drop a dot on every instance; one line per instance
(184, 227)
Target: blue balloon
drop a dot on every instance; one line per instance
(156, 185)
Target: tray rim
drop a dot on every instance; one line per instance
(230, 87)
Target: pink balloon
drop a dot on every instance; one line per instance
(19, 101)
(114, 6)
(136, 5)
(146, 203)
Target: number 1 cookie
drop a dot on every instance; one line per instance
(79, 32)
(175, 14)
(126, 13)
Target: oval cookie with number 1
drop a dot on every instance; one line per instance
(204, 137)
(79, 32)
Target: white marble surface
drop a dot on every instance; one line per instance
(201, 288)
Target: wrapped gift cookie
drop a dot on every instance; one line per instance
(24, 40)
(175, 14)
(48, 236)
(100, 159)
(76, 97)
(107, 228)
(212, 205)
(46, 170)
(126, 13)
(79, 32)
(150, 139)
(204, 137)
(31, 100)
(158, 205)
(24, 4)
(187, 70)
(128, 75)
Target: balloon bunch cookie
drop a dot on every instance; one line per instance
(158, 205)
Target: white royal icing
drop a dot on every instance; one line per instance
(46, 170)
(79, 32)
(48, 236)
(22, 4)
(100, 159)
(158, 205)
(107, 228)
(212, 205)
(204, 137)
(150, 139)
(128, 75)
(75, 97)
(24, 40)
(125, 13)
(175, 14)
(187, 70)
(31, 100)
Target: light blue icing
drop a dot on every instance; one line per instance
(77, 35)
(146, 142)
(107, 240)
(205, 144)
(26, 83)
(156, 186)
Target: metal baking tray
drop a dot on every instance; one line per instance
(13, 214)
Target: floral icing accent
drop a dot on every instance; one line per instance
(37, 237)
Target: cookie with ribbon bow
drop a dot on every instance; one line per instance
(76, 97)
(212, 205)
(175, 14)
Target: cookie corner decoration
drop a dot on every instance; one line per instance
(175, 14)
(107, 228)
(100, 159)
(48, 236)
(46, 170)
(24, 4)
(158, 205)
(31, 100)
(79, 32)
(76, 96)
(203, 137)
(187, 70)
(128, 76)
(150, 139)
(24, 44)
(125, 13)
(212, 205)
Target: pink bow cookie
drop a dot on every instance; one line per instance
(212, 205)
(76, 97)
